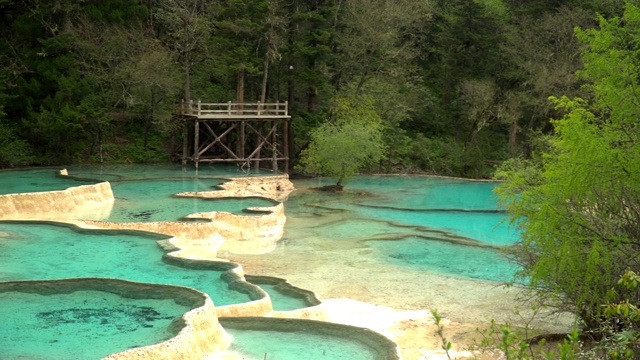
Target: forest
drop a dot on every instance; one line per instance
(459, 86)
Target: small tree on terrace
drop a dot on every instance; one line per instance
(347, 143)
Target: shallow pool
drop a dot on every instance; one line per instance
(446, 258)
(125, 172)
(81, 324)
(36, 180)
(295, 345)
(294, 339)
(459, 207)
(154, 200)
(448, 226)
(30, 251)
(143, 192)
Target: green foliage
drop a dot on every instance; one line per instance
(446, 344)
(446, 156)
(240, 31)
(521, 173)
(470, 75)
(581, 223)
(618, 337)
(116, 11)
(394, 99)
(13, 150)
(621, 330)
(511, 342)
(497, 8)
(506, 342)
(129, 154)
(437, 155)
(348, 143)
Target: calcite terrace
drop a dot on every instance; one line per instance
(196, 238)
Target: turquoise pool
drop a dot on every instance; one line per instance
(81, 324)
(32, 251)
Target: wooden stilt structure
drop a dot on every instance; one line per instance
(249, 134)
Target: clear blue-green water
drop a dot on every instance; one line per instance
(417, 211)
(30, 251)
(446, 258)
(463, 208)
(296, 345)
(143, 192)
(146, 192)
(280, 300)
(80, 325)
(36, 180)
(427, 193)
(126, 172)
(153, 200)
(413, 222)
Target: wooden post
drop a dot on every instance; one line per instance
(185, 140)
(274, 149)
(285, 141)
(258, 141)
(285, 145)
(196, 143)
(243, 140)
(199, 108)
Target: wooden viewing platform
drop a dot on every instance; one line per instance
(244, 133)
(231, 110)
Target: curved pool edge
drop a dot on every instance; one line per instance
(314, 310)
(234, 276)
(88, 201)
(233, 273)
(88, 204)
(195, 329)
(383, 346)
(256, 234)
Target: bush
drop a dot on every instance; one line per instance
(13, 150)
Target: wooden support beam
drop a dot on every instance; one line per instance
(217, 140)
(196, 142)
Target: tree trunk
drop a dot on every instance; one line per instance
(289, 133)
(149, 119)
(265, 78)
(513, 133)
(240, 88)
(187, 98)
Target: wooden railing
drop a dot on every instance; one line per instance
(231, 110)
